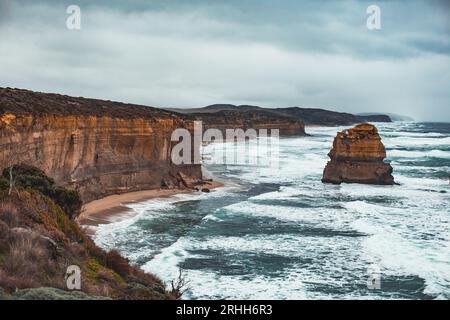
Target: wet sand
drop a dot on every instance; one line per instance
(113, 208)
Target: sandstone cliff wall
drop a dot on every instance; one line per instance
(98, 156)
(99, 153)
(357, 157)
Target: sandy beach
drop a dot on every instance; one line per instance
(113, 208)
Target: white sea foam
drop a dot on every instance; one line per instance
(335, 232)
(208, 284)
(305, 217)
(418, 154)
(420, 142)
(420, 135)
(211, 217)
(389, 249)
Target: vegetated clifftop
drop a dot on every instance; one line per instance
(308, 116)
(94, 146)
(357, 157)
(39, 240)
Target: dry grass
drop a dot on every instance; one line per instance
(26, 258)
(9, 214)
(38, 242)
(118, 263)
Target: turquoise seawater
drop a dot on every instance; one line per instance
(283, 234)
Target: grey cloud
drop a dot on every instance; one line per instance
(192, 53)
(314, 26)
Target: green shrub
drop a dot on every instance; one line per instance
(25, 170)
(26, 176)
(4, 183)
(68, 200)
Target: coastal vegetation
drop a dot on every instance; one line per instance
(39, 239)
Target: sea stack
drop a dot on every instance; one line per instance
(357, 157)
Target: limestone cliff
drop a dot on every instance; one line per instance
(357, 157)
(96, 147)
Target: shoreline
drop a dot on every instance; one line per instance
(114, 208)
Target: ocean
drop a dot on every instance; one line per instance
(283, 234)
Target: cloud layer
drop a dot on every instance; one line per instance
(171, 53)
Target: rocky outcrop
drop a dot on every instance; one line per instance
(357, 157)
(96, 147)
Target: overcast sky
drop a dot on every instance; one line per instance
(173, 53)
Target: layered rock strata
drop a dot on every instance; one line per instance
(97, 147)
(357, 157)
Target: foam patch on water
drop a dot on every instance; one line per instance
(211, 284)
(420, 135)
(396, 254)
(418, 142)
(418, 154)
(283, 194)
(207, 285)
(334, 219)
(169, 257)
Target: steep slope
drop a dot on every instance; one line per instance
(39, 241)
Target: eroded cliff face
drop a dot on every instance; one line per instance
(96, 152)
(357, 157)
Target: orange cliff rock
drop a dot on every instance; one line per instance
(97, 147)
(357, 157)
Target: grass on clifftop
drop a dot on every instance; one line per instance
(39, 240)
